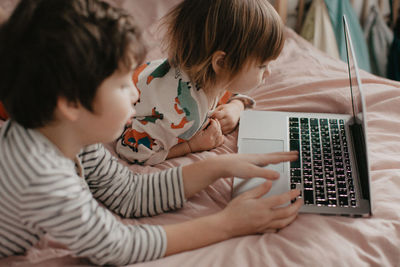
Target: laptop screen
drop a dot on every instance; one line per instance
(359, 116)
(358, 108)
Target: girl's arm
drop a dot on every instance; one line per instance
(205, 139)
(228, 115)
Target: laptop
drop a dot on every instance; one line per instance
(332, 171)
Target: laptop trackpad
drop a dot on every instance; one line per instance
(253, 146)
(249, 145)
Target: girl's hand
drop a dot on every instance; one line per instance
(208, 138)
(251, 214)
(228, 115)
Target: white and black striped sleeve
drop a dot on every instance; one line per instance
(41, 193)
(71, 216)
(128, 194)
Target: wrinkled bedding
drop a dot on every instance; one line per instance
(303, 79)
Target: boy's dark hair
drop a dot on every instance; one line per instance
(53, 48)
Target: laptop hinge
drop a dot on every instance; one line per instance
(358, 137)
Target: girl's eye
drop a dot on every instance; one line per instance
(263, 66)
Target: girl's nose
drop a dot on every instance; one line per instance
(134, 94)
(267, 71)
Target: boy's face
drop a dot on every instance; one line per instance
(112, 107)
(250, 77)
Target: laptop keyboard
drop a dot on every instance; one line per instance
(323, 170)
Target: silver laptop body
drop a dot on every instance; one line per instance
(332, 171)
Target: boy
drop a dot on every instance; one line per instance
(66, 84)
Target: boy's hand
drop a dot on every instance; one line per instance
(228, 115)
(199, 175)
(251, 165)
(246, 214)
(207, 138)
(251, 214)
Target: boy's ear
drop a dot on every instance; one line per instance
(68, 109)
(218, 61)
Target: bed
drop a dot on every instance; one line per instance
(303, 79)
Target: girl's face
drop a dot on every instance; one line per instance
(249, 77)
(112, 107)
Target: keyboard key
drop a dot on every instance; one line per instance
(332, 195)
(308, 197)
(307, 185)
(328, 168)
(307, 172)
(307, 166)
(323, 121)
(295, 180)
(295, 172)
(332, 202)
(304, 120)
(308, 178)
(314, 122)
(330, 181)
(343, 201)
(295, 164)
(341, 178)
(318, 163)
(294, 145)
(331, 188)
(294, 135)
(317, 157)
(342, 192)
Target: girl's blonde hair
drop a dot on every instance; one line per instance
(244, 29)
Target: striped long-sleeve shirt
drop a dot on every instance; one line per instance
(42, 192)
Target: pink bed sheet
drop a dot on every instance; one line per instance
(306, 80)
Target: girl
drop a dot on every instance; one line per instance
(213, 46)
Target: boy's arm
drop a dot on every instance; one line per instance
(183, 183)
(246, 214)
(129, 194)
(57, 202)
(199, 175)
